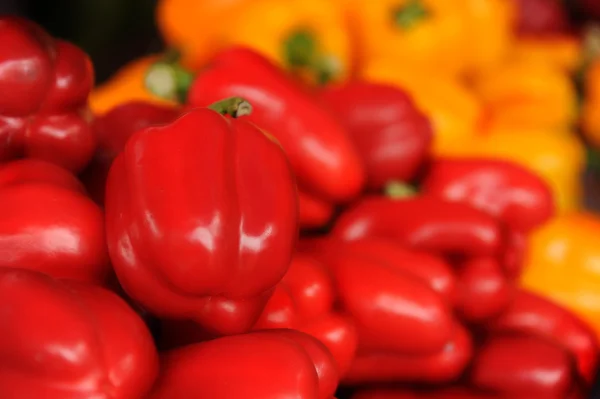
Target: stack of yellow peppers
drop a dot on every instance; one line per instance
(488, 92)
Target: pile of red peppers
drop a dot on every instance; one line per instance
(261, 240)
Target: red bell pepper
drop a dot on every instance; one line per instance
(258, 365)
(392, 136)
(70, 340)
(541, 17)
(45, 83)
(506, 190)
(423, 223)
(443, 366)
(48, 223)
(393, 308)
(532, 314)
(112, 130)
(523, 367)
(324, 159)
(197, 228)
(484, 291)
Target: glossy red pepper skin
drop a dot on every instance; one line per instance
(207, 234)
(45, 83)
(541, 17)
(112, 130)
(484, 291)
(48, 224)
(433, 270)
(324, 159)
(424, 223)
(92, 344)
(314, 212)
(393, 309)
(392, 136)
(591, 8)
(234, 367)
(443, 366)
(304, 301)
(532, 314)
(506, 190)
(523, 367)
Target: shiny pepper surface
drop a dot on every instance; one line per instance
(324, 159)
(208, 233)
(70, 340)
(45, 83)
(561, 264)
(48, 224)
(258, 365)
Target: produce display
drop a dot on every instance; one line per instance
(341, 199)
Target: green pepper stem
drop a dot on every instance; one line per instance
(399, 190)
(410, 13)
(167, 79)
(233, 106)
(301, 52)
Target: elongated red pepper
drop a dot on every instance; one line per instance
(91, 343)
(439, 367)
(506, 190)
(523, 367)
(45, 83)
(112, 130)
(483, 290)
(48, 224)
(424, 223)
(383, 298)
(392, 136)
(324, 159)
(234, 367)
(207, 234)
(304, 301)
(532, 314)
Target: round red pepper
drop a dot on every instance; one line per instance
(70, 340)
(196, 227)
(48, 224)
(45, 83)
(391, 135)
(541, 17)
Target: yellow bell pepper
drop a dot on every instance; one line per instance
(590, 113)
(528, 94)
(559, 158)
(307, 36)
(127, 84)
(563, 263)
(454, 111)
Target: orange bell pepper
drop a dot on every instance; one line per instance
(125, 85)
(453, 109)
(306, 36)
(563, 51)
(590, 112)
(563, 264)
(528, 94)
(426, 33)
(559, 158)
